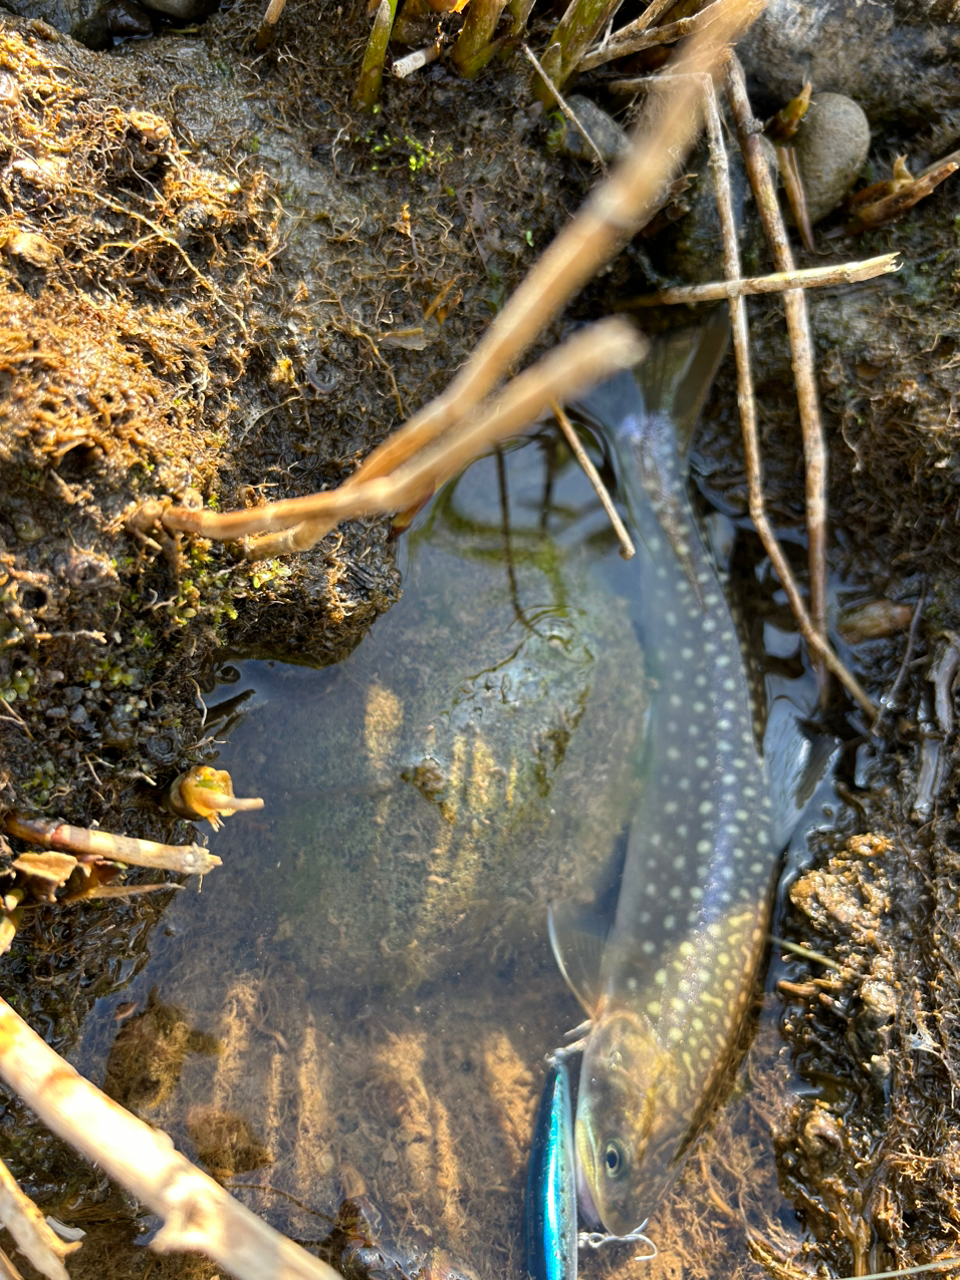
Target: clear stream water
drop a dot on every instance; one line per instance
(357, 1003)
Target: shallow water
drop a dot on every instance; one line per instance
(358, 1002)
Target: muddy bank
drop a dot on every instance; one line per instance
(214, 285)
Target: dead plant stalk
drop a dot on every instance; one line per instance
(801, 345)
(747, 405)
(199, 1215)
(615, 210)
(810, 278)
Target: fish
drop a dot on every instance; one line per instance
(668, 988)
(551, 1206)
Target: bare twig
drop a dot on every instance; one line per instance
(28, 1227)
(809, 278)
(405, 66)
(198, 1214)
(564, 106)
(747, 405)
(635, 36)
(613, 213)
(50, 833)
(886, 201)
(563, 373)
(627, 549)
(268, 25)
(798, 328)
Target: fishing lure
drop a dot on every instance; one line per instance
(551, 1207)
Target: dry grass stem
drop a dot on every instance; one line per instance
(627, 549)
(748, 415)
(50, 833)
(564, 106)
(801, 346)
(568, 370)
(405, 66)
(809, 278)
(274, 10)
(27, 1225)
(613, 213)
(897, 196)
(199, 1216)
(635, 36)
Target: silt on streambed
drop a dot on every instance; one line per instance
(360, 1007)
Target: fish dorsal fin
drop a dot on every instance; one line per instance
(578, 936)
(678, 373)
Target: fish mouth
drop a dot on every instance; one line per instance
(586, 1203)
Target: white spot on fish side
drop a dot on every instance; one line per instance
(702, 762)
(674, 1035)
(653, 1009)
(671, 807)
(660, 977)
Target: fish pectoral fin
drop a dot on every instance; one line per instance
(578, 936)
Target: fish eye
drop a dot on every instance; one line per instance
(614, 1159)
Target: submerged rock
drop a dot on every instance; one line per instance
(477, 759)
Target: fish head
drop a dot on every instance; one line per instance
(627, 1124)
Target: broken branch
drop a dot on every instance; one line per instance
(779, 282)
(199, 1216)
(51, 833)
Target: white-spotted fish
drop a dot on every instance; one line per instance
(551, 1184)
(677, 970)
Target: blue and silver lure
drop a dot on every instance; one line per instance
(552, 1183)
